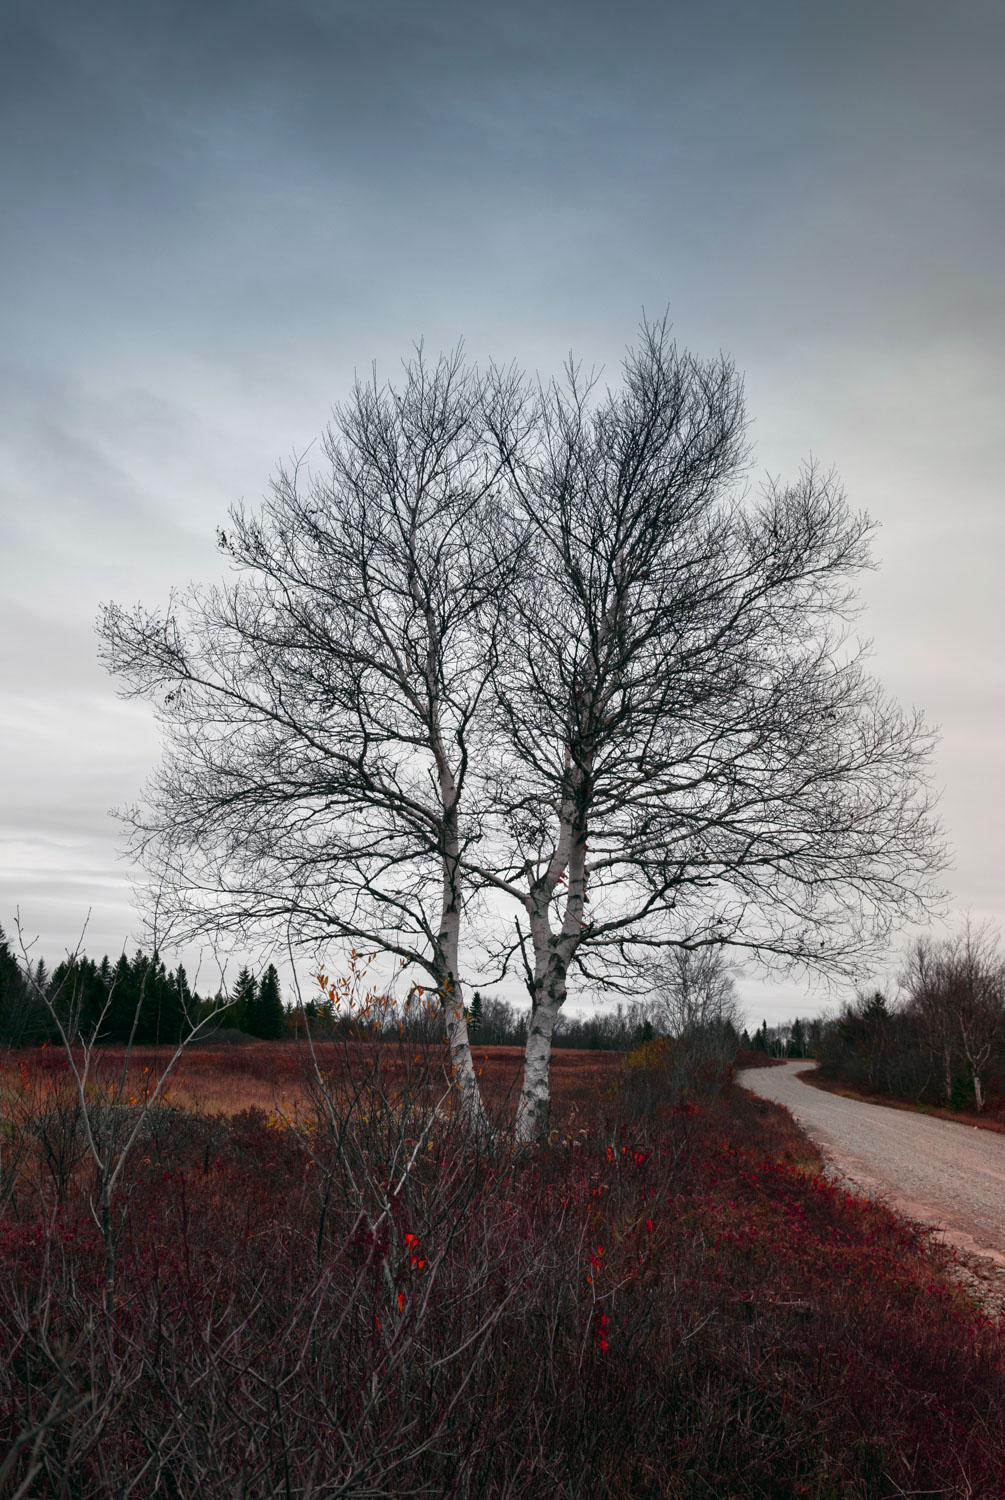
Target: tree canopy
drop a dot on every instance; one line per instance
(531, 667)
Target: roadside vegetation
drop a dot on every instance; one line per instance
(337, 1291)
(939, 1043)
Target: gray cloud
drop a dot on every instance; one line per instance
(216, 212)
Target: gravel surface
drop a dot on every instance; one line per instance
(946, 1175)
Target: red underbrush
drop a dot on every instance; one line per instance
(670, 1299)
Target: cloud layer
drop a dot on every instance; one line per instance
(217, 213)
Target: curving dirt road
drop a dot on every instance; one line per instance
(948, 1175)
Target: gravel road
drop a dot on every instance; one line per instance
(951, 1176)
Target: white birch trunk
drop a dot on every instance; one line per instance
(553, 955)
(462, 1066)
(534, 1107)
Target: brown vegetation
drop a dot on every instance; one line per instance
(751, 1057)
(217, 1080)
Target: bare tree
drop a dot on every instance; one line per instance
(544, 648)
(922, 983)
(694, 992)
(319, 710)
(957, 988)
(689, 750)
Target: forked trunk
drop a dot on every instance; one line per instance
(553, 957)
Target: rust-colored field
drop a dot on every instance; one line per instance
(273, 1076)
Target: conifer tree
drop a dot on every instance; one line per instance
(8, 964)
(70, 989)
(121, 1012)
(146, 996)
(268, 1010)
(95, 1000)
(174, 1004)
(16, 1009)
(155, 999)
(94, 995)
(242, 1011)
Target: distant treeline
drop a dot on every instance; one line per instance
(618, 1028)
(139, 1000)
(131, 999)
(941, 1040)
(495, 1023)
(796, 1038)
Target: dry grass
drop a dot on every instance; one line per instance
(224, 1081)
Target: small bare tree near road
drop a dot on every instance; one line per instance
(956, 986)
(694, 992)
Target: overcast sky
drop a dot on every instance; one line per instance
(213, 213)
